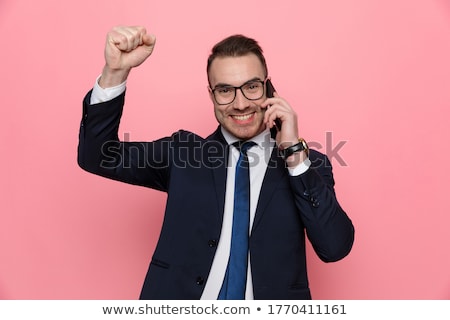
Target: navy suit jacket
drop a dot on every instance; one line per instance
(192, 170)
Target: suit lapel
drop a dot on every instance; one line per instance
(217, 159)
(273, 177)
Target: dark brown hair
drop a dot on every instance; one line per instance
(237, 46)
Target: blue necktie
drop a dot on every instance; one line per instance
(233, 286)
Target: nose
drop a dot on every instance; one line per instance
(240, 101)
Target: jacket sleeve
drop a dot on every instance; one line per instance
(329, 229)
(100, 151)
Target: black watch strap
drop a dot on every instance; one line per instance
(289, 151)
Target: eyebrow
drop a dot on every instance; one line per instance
(222, 84)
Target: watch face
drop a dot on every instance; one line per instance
(305, 147)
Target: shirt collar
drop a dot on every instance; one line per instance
(263, 140)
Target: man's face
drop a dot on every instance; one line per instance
(243, 118)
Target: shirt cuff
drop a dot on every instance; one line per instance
(301, 168)
(100, 94)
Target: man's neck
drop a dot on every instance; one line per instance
(263, 139)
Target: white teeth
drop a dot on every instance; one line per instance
(242, 117)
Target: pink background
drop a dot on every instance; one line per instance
(374, 73)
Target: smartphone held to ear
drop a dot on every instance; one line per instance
(270, 89)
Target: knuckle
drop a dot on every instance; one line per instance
(142, 30)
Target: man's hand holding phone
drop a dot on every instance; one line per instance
(280, 115)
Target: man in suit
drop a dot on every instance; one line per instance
(292, 187)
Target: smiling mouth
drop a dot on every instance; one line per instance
(242, 117)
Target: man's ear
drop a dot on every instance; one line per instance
(211, 94)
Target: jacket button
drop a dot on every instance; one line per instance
(212, 243)
(200, 281)
(314, 201)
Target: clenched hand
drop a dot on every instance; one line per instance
(126, 47)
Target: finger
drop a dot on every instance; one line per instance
(135, 37)
(148, 39)
(117, 39)
(268, 102)
(140, 32)
(123, 41)
(131, 39)
(271, 119)
(127, 38)
(265, 105)
(272, 100)
(141, 37)
(270, 116)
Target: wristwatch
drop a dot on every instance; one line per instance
(300, 146)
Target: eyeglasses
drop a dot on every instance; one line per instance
(252, 90)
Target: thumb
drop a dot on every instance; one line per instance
(149, 40)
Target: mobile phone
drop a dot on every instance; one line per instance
(270, 89)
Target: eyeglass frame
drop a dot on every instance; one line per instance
(263, 82)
